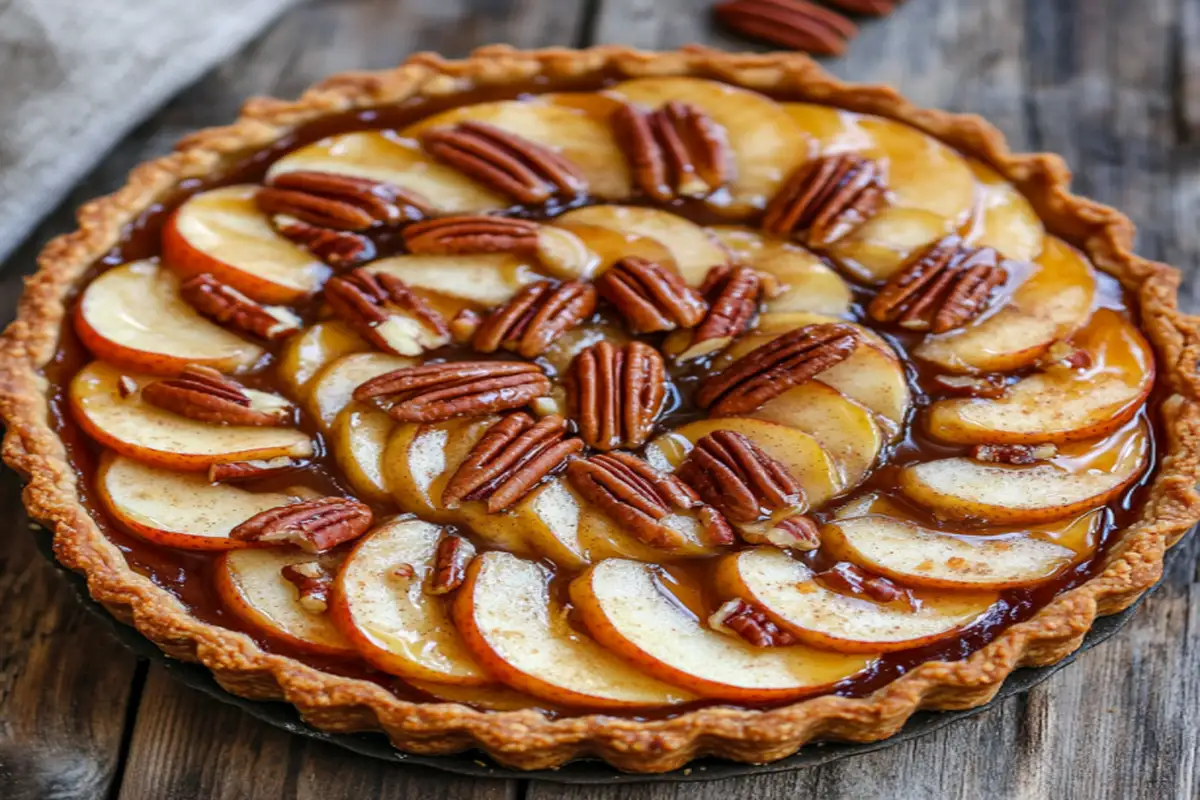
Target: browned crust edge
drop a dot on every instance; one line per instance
(526, 739)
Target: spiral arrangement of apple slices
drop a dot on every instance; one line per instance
(1035, 404)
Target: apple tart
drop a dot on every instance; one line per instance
(604, 403)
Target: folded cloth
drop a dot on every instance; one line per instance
(76, 75)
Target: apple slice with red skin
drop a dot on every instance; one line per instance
(1060, 404)
(251, 585)
(626, 608)
(381, 605)
(223, 233)
(134, 428)
(134, 316)
(509, 623)
(180, 509)
(1074, 481)
(786, 589)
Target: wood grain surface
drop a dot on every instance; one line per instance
(1113, 85)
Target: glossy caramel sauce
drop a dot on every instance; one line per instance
(189, 575)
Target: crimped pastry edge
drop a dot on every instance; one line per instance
(527, 739)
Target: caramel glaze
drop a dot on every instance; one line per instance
(189, 575)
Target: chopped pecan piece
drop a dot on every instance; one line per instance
(825, 199)
(312, 581)
(532, 320)
(749, 623)
(644, 501)
(875, 8)
(616, 394)
(651, 297)
(1013, 453)
(235, 471)
(971, 385)
(770, 370)
(126, 387)
(847, 578)
(454, 554)
(384, 311)
(733, 294)
(1064, 356)
(339, 249)
(676, 151)
(508, 163)
(472, 234)
(944, 287)
(794, 24)
(341, 202)
(735, 476)
(203, 394)
(464, 325)
(510, 460)
(227, 306)
(434, 392)
(794, 532)
(312, 525)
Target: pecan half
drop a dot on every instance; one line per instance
(384, 311)
(847, 578)
(616, 393)
(472, 234)
(434, 392)
(510, 460)
(875, 8)
(771, 369)
(651, 297)
(1013, 453)
(339, 249)
(794, 24)
(454, 554)
(508, 163)
(733, 293)
(227, 306)
(971, 385)
(944, 287)
(825, 199)
(749, 623)
(643, 501)
(533, 319)
(312, 581)
(341, 202)
(676, 151)
(312, 525)
(203, 394)
(735, 476)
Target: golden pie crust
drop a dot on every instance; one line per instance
(527, 739)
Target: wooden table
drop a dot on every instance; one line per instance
(1114, 85)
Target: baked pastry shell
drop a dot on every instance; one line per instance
(528, 739)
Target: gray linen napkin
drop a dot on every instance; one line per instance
(76, 75)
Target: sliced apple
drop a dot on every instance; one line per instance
(380, 604)
(1004, 219)
(310, 351)
(844, 429)
(609, 245)
(486, 279)
(1060, 405)
(251, 585)
(160, 438)
(179, 509)
(359, 440)
(580, 137)
(695, 252)
(1052, 301)
(384, 156)
(333, 389)
(222, 232)
(799, 452)
(764, 141)
(508, 621)
(1072, 482)
(626, 608)
(806, 282)
(134, 316)
(820, 617)
(920, 556)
